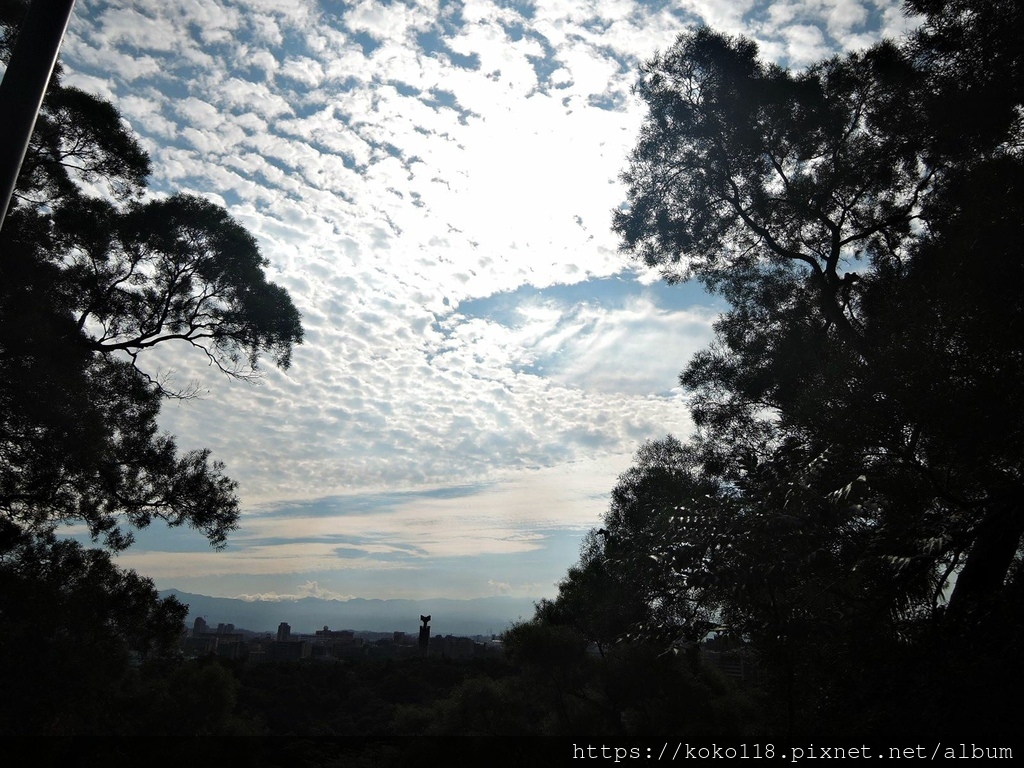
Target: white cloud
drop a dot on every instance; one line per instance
(512, 517)
(133, 29)
(276, 559)
(805, 44)
(394, 22)
(303, 70)
(306, 589)
(389, 188)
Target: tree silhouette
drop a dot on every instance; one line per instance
(93, 274)
(827, 206)
(850, 500)
(90, 281)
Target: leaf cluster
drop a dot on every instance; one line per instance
(94, 272)
(92, 275)
(852, 492)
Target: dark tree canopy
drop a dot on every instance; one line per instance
(93, 272)
(80, 138)
(93, 275)
(175, 269)
(852, 501)
(872, 263)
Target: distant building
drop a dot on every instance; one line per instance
(456, 647)
(265, 649)
(291, 650)
(284, 632)
(227, 646)
(338, 643)
(199, 627)
(342, 635)
(203, 644)
(425, 634)
(232, 647)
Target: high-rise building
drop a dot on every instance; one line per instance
(284, 632)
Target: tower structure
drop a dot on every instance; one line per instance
(424, 634)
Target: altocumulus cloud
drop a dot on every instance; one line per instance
(411, 168)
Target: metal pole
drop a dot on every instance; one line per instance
(24, 85)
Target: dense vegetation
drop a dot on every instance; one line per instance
(92, 275)
(845, 522)
(849, 509)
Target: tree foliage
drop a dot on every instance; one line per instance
(766, 185)
(94, 272)
(72, 623)
(851, 499)
(93, 275)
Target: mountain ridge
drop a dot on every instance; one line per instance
(476, 616)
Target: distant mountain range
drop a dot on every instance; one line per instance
(481, 616)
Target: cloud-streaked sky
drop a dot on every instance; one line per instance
(433, 183)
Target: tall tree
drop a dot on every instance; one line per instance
(92, 274)
(851, 501)
(858, 244)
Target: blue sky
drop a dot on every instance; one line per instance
(433, 183)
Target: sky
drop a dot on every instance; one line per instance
(433, 183)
